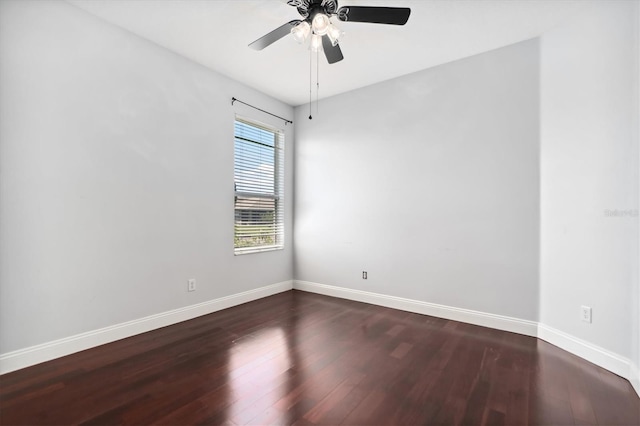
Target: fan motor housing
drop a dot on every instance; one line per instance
(310, 8)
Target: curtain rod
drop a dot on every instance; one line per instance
(266, 112)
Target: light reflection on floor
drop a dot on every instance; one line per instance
(255, 360)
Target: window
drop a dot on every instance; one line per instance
(259, 186)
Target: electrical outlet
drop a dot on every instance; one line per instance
(191, 284)
(586, 314)
(364, 275)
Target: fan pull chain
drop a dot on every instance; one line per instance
(317, 80)
(310, 81)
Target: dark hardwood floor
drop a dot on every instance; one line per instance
(301, 358)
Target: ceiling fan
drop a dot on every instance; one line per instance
(324, 35)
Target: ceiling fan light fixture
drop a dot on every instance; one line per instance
(316, 43)
(320, 24)
(335, 34)
(316, 25)
(301, 31)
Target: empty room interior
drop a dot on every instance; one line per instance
(320, 212)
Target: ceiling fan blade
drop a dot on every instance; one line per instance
(333, 53)
(375, 15)
(274, 35)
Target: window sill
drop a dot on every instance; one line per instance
(251, 250)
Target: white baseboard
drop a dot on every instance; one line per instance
(602, 357)
(635, 378)
(22, 358)
(500, 322)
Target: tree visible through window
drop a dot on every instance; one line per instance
(258, 175)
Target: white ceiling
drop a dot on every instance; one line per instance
(215, 33)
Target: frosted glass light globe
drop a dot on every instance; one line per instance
(320, 24)
(301, 31)
(316, 43)
(334, 34)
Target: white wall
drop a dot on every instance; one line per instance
(116, 162)
(589, 164)
(636, 318)
(635, 373)
(430, 183)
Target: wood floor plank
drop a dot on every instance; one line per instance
(306, 359)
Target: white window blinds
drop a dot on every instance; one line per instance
(259, 187)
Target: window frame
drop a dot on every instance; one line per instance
(278, 189)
